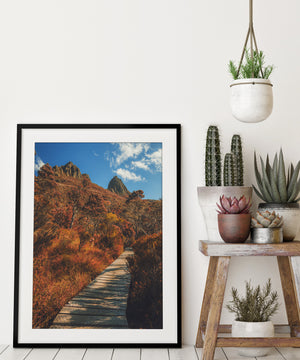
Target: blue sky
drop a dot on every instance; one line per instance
(139, 165)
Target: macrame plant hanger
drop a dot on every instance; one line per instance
(251, 35)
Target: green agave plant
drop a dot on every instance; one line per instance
(273, 184)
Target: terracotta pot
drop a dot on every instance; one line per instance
(291, 216)
(253, 329)
(208, 196)
(251, 99)
(234, 228)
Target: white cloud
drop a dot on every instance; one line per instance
(156, 159)
(38, 163)
(128, 175)
(140, 164)
(129, 150)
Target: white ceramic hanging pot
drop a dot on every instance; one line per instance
(251, 99)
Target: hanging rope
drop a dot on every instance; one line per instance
(253, 42)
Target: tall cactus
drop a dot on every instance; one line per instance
(230, 170)
(236, 149)
(213, 158)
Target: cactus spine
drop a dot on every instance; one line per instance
(213, 158)
(236, 149)
(230, 170)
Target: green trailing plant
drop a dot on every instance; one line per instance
(213, 157)
(230, 170)
(251, 67)
(266, 219)
(274, 186)
(258, 305)
(236, 149)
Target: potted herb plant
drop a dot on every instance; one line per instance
(251, 89)
(279, 191)
(266, 227)
(233, 180)
(252, 315)
(234, 219)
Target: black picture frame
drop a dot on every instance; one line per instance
(22, 129)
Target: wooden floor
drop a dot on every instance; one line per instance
(186, 353)
(101, 304)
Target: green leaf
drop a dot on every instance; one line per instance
(295, 192)
(257, 174)
(294, 179)
(259, 194)
(275, 168)
(282, 179)
(266, 182)
(274, 188)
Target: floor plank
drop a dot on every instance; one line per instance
(70, 354)
(2, 348)
(289, 353)
(186, 353)
(14, 354)
(275, 355)
(219, 354)
(232, 354)
(98, 354)
(44, 354)
(154, 354)
(126, 354)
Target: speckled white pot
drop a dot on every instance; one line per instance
(208, 196)
(251, 99)
(291, 217)
(252, 329)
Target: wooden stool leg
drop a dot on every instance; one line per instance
(216, 304)
(206, 299)
(290, 293)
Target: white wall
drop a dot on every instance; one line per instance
(159, 61)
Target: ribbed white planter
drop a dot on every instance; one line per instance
(291, 217)
(251, 99)
(208, 196)
(252, 329)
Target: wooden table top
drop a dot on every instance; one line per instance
(212, 248)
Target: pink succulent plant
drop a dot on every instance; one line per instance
(230, 205)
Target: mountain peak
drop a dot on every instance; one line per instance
(117, 186)
(68, 170)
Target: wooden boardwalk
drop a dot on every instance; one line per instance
(102, 303)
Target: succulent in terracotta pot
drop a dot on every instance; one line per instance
(234, 219)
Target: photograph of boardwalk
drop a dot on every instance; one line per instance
(97, 236)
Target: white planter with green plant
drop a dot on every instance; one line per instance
(252, 315)
(280, 192)
(251, 90)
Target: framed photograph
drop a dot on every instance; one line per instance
(97, 259)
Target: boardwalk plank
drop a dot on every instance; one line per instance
(126, 354)
(44, 354)
(154, 354)
(98, 354)
(95, 321)
(14, 354)
(102, 303)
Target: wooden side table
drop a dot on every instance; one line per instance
(288, 257)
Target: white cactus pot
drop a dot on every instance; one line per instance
(251, 99)
(208, 196)
(291, 217)
(252, 329)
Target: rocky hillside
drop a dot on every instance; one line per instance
(117, 186)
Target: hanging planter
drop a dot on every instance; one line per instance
(251, 90)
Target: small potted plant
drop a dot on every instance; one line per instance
(251, 89)
(232, 178)
(279, 191)
(252, 315)
(234, 219)
(266, 227)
